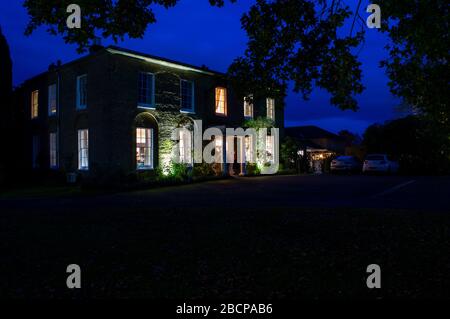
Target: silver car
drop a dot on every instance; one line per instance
(380, 163)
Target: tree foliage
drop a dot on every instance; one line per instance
(298, 41)
(418, 55)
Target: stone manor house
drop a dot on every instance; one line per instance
(114, 111)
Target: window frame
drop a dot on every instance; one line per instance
(150, 148)
(82, 147)
(225, 106)
(192, 109)
(145, 105)
(50, 109)
(80, 106)
(34, 104)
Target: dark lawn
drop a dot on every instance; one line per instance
(218, 253)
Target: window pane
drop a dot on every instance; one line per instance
(144, 148)
(270, 108)
(83, 149)
(34, 104)
(82, 91)
(248, 106)
(53, 150)
(146, 81)
(221, 101)
(185, 147)
(187, 95)
(52, 99)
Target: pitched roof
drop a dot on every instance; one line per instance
(309, 132)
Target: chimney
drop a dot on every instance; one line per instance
(96, 45)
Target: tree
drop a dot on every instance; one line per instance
(418, 55)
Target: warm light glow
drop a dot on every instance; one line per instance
(83, 149)
(144, 148)
(34, 104)
(248, 107)
(221, 100)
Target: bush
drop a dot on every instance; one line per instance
(252, 169)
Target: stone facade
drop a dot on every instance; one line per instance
(113, 112)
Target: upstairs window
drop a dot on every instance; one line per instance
(248, 106)
(144, 148)
(34, 104)
(52, 100)
(83, 149)
(53, 148)
(146, 90)
(187, 96)
(221, 101)
(82, 92)
(270, 108)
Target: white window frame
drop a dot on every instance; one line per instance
(53, 150)
(183, 109)
(52, 96)
(149, 147)
(270, 105)
(79, 105)
(145, 105)
(83, 157)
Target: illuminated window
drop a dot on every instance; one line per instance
(83, 149)
(35, 151)
(34, 104)
(249, 149)
(221, 101)
(146, 90)
(52, 99)
(82, 92)
(185, 144)
(248, 106)
(53, 147)
(269, 148)
(187, 96)
(270, 108)
(144, 148)
(219, 147)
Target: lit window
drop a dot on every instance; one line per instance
(35, 151)
(144, 148)
(83, 149)
(269, 148)
(34, 104)
(53, 147)
(185, 144)
(270, 108)
(221, 101)
(52, 99)
(249, 149)
(187, 96)
(146, 90)
(82, 92)
(218, 147)
(248, 107)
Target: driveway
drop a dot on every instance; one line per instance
(332, 191)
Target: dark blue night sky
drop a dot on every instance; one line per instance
(196, 33)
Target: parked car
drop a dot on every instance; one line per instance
(380, 163)
(345, 164)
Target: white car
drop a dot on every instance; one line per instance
(380, 163)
